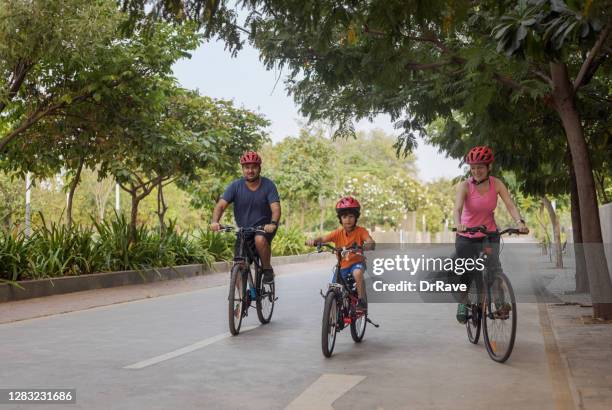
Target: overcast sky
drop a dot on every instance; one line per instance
(244, 80)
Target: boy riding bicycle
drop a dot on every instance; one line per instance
(348, 211)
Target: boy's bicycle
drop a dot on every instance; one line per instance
(494, 309)
(340, 304)
(243, 290)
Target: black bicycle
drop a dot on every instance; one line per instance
(340, 309)
(243, 290)
(494, 309)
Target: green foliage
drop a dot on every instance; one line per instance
(219, 245)
(289, 241)
(13, 256)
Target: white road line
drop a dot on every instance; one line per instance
(324, 392)
(185, 350)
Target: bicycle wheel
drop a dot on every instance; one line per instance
(358, 325)
(329, 324)
(500, 322)
(265, 299)
(236, 300)
(474, 312)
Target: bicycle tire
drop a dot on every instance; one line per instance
(500, 352)
(265, 299)
(358, 328)
(236, 300)
(328, 324)
(358, 325)
(474, 312)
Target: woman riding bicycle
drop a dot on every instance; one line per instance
(475, 203)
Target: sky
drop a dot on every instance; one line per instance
(245, 80)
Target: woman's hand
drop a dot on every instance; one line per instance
(523, 228)
(461, 228)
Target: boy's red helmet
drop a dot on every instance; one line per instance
(347, 202)
(480, 155)
(250, 157)
(348, 205)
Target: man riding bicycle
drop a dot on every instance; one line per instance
(256, 203)
(475, 203)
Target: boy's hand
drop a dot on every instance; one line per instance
(215, 226)
(310, 242)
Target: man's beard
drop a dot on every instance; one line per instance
(252, 179)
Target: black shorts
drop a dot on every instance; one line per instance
(470, 248)
(250, 242)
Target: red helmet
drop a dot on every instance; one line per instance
(348, 204)
(250, 157)
(480, 155)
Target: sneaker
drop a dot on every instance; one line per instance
(362, 305)
(268, 275)
(461, 313)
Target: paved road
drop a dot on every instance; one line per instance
(418, 358)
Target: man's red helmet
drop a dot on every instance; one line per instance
(480, 155)
(347, 205)
(250, 157)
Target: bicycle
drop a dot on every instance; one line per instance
(340, 304)
(240, 297)
(493, 311)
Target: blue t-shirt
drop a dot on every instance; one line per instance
(251, 208)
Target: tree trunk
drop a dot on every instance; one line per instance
(133, 217)
(102, 191)
(543, 226)
(73, 186)
(161, 208)
(597, 266)
(582, 280)
(554, 220)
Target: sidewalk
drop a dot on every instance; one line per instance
(585, 347)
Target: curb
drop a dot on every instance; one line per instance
(69, 284)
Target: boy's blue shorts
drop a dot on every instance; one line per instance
(345, 272)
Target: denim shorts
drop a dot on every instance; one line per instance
(346, 271)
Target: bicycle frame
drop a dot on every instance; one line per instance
(244, 257)
(340, 286)
(487, 278)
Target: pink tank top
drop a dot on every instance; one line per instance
(479, 209)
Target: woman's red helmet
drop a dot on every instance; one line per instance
(480, 155)
(250, 157)
(348, 205)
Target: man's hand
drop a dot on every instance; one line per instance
(310, 242)
(269, 228)
(461, 228)
(215, 226)
(523, 228)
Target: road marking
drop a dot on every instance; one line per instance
(324, 392)
(185, 350)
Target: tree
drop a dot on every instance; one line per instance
(350, 60)
(303, 171)
(173, 140)
(119, 76)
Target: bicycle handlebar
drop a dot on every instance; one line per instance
(354, 249)
(232, 228)
(483, 229)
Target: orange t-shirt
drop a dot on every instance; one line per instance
(342, 239)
